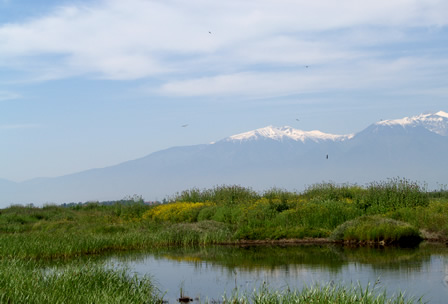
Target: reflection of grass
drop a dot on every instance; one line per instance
(261, 256)
(333, 294)
(331, 257)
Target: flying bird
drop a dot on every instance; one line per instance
(209, 32)
(183, 126)
(327, 156)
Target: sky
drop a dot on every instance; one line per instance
(89, 84)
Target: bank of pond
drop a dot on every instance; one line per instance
(394, 212)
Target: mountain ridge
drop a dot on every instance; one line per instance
(435, 122)
(270, 157)
(286, 132)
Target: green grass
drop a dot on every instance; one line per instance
(432, 220)
(393, 211)
(93, 282)
(377, 229)
(27, 282)
(226, 214)
(328, 294)
(224, 194)
(391, 195)
(61, 244)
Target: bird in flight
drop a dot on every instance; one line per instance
(209, 32)
(327, 156)
(183, 126)
(297, 119)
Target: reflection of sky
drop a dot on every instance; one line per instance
(445, 280)
(205, 279)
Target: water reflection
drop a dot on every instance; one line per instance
(207, 273)
(445, 280)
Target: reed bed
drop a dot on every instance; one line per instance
(378, 230)
(328, 294)
(27, 282)
(225, 214)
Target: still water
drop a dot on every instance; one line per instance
(207, 273)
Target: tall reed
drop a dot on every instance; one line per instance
(327, 294)
(27, 282)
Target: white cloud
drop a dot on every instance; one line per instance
(394, 75)
(134, 39)
(5, 95)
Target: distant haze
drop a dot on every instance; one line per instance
(414, 148)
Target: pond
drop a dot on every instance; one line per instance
(206, 273)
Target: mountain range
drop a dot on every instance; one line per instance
(415, 148)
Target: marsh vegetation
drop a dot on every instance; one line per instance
(390, 212)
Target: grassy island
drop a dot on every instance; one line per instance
(396, 211)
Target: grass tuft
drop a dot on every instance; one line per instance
(317, 294)
(25, 282)
(377, 229)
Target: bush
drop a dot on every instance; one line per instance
(331, 191)
(392, 195)
(377, 229)
(220, 195)
(432, 219)
(176, 212)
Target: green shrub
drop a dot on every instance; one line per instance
(331, 191)
(433, 218)
(325, 215)
(224, 194)
(377, 229)
(176, 212)
(280, 195)
(392, 195)
(228, 214)
(207, 213)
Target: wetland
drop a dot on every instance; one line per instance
(331, 243)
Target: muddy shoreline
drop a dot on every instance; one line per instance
(317, 241)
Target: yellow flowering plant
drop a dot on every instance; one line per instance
(176, 212)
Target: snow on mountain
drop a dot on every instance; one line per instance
(268, 157)
(279, 134)
(434, 122)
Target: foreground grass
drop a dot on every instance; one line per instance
(26, 282)
(319, 295)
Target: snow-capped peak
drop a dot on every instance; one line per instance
(286, 132)
(434, 122)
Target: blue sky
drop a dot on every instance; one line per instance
(87, 84)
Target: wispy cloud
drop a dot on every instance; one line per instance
(202, 47)
(395, 75)
(5, 95)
